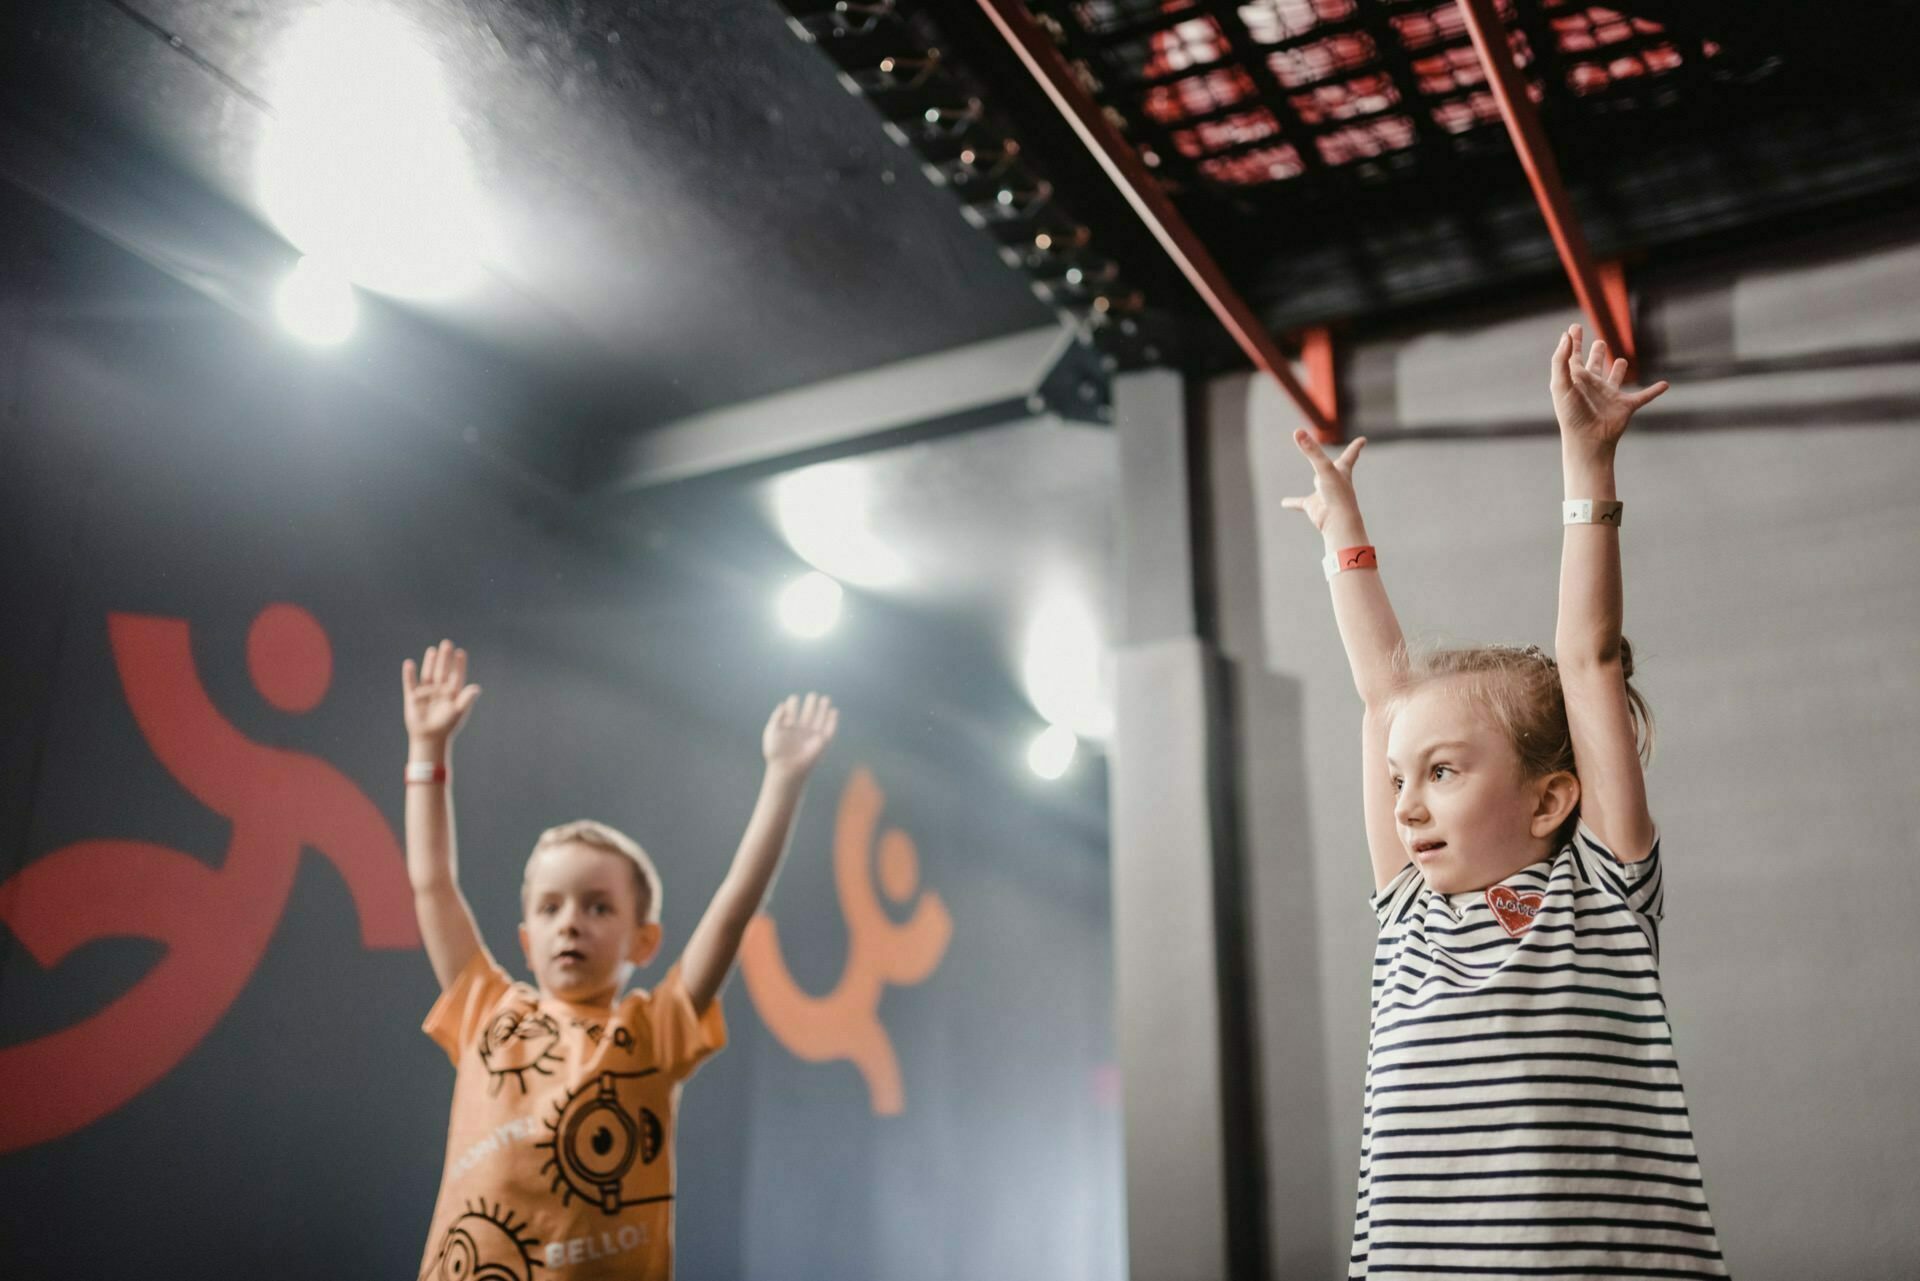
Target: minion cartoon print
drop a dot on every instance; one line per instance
(483, 1244)
(606, 1139)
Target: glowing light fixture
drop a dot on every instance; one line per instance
(316, 304)
(361, 164)
(1052, 751)
(810, 605)
(823, 513)
(1064, 666)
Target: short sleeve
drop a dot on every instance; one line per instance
(1641, 886)
(1394, 899)
(683, 1039)
(461, 1013)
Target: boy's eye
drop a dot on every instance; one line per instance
(1438, 770)
(601, 909)
(1396, 782)
(548, 909)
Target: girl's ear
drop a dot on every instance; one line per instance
(1559, 793)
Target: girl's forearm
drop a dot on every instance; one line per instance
(1368, 628)
(1591, 596)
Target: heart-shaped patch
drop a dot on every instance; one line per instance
(1514, 911)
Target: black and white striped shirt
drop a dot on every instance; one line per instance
(1524, 1116)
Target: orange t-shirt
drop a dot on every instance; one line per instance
(560, 1145)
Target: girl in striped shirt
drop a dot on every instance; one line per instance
(1524, 1114)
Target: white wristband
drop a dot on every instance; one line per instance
(1591, 511)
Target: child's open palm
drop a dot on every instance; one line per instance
(1588, 399)
(799, 730)
(437, 696)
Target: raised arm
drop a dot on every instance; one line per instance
(437, 699)
(1370, 633)
(795, 738)
(1593, 410)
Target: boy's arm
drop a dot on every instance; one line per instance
(795, 737)
(437, 700)
(1371, 635)
(1593, 411)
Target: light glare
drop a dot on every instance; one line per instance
(1052, 752)
(316, 304)
(361, 163)
(1064, 667)
(810, 605)
(823, 513)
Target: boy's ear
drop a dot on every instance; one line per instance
(1559, 794)
(645, 945)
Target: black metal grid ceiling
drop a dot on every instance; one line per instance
(1250, 95)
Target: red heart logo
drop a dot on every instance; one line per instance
(1515, 912)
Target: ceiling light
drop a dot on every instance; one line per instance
(316, 304)
(810, 605)
(1052, 751)
(361, 163)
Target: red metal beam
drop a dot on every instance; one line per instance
(1130, 174)
(1316, 353)
(1596, 299)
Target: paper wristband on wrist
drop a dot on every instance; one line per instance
(1591, 511)
(1363, 557)
(426, 772)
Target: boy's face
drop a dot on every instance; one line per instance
(1464, 813)
(581, 907)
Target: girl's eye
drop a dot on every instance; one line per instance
(1438, 770)
(601, 909)
(548, 909)
(1396, 782)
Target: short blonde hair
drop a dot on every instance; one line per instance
(1520, 691)
(597, 835)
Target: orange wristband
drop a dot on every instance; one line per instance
(1362, 557)
(426, 772)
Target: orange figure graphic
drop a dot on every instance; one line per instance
(215, 922)
(845, 1023)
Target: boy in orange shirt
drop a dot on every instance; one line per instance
(560, 1145)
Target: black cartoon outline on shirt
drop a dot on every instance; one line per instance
(519, 1041)
(597, 1138)
(623, 1038)
(484, 1244)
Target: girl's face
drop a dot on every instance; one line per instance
(1464, 813)
(582, 922)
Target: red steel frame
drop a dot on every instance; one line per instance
(1130, 174)
(1600, 288)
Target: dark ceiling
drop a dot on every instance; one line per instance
(692, 212)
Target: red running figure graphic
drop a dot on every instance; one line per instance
(215, 922)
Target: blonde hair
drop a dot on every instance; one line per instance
(599, 836)
(1520, 690)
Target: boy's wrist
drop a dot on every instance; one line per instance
(785, 774)
(428, 751)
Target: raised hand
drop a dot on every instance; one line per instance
(437, 696)
(1588, 399)
(1332, 505)
(798, 732)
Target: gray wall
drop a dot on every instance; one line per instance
(1773, 597)
(157, 456)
